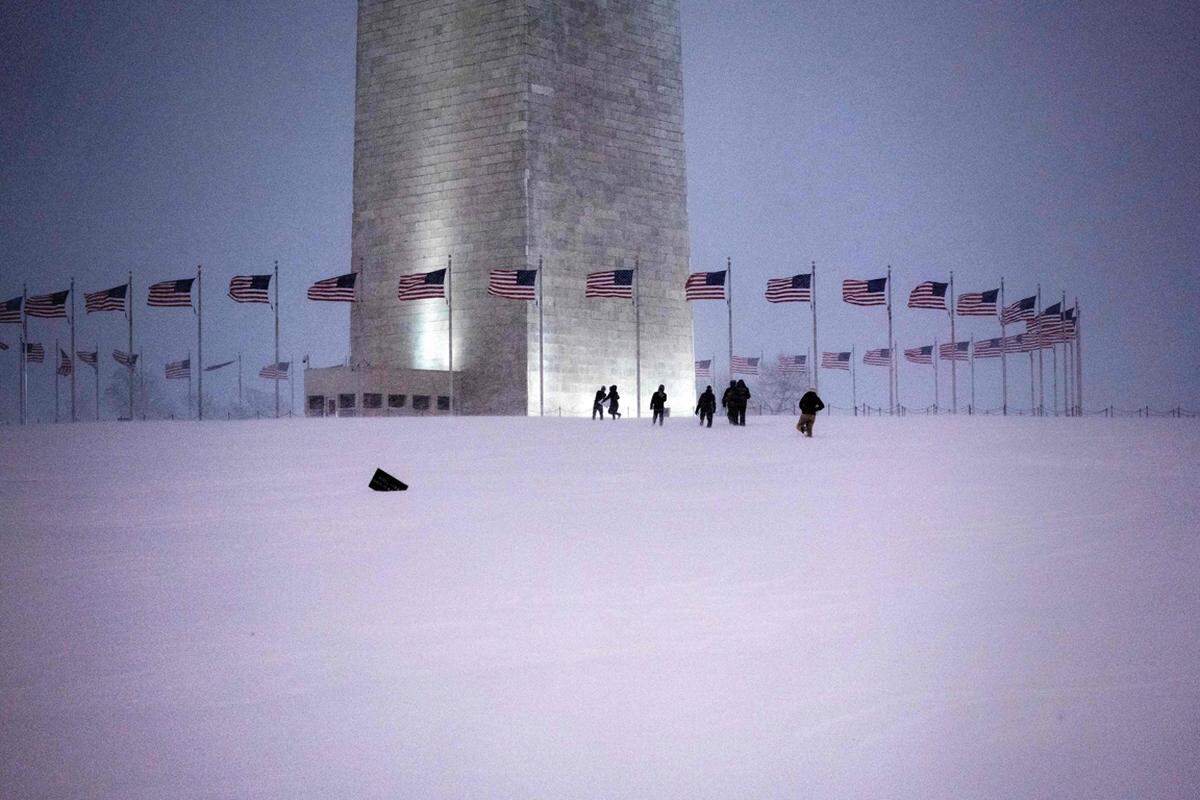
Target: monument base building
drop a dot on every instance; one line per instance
(501, 134)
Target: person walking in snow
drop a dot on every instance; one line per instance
(658, 402)
(741, 398)
(706, 405)
(598, 405)
(727, 402)
(810, 404)
(614, 402)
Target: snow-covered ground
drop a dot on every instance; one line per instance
(926, 608)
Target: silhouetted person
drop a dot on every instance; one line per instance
(614, 402)
(810, 404)
(740, 398)
(727, 403)
(658, 402)
(598, 406)
(706, 405)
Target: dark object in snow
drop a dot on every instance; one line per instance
(382, 482)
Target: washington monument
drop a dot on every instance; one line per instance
(501, 133)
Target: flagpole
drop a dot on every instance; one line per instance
(729, 307)
(291, 385)
(450, 324)
(129, 317)
(954, 346)
(971, 410)
(891, 370)
(96, 369)
(57, 356)
(541, 345)
(74, 415)
(1062, 324)
(239, 379)
(1078, 358)
(1041, 404)
(189, 383)
(935, 375)
(276, 335)
(24, 389)
(1032, 396)
(812, 286)
(853, 382)
(199, 342)
(637, 329)
(1003, 356)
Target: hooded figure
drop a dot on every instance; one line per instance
(658, 402)
(706, 405)
(614, 402)
(727, 402)
(741, 397)
(810, 404)
(598, 405)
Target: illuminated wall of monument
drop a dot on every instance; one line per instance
(501, 131)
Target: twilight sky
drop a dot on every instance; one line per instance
(1043, 144)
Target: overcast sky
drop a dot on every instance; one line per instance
(1051, 145)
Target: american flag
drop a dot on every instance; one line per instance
(919, 355)
(989, 348)
(47, 306)
(218, 366)
(171, 294)
(793, 365)
(878, 358)
(34, 353)
(276, 372)
(90, 358)
(125, 359)
(179, 369)
(1020, 343)
(338, 289)
(513, 284)
(249, 288)
(796, 289)
(929, 294)
(422, 285)
(106, 299)
(951, 351)
(835, 360)
(704, 368)
(865, 293)
(705, 286)
(613, 283)
(744, 365)
(1020, 310)
(65, 365)
(978, 304)
(1047, 328)
(10, 311)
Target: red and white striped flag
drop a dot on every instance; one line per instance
(1023, 309)
(171, 294)
(106, 299)
(422, 285)
(929, 294)
(125, 359)
(796, 289)
(613, 283)
(919, 355)
(339, 289)
(881, 357)
(48, 306)
(249, 288)
(951, 351)
(977, 304)
(177, 370)
(989, 348)
(793, 365)
(745, 365)
(704, 368)
(34, 353)
(92, 358)
(10, 310)
(705, 286)
(65, 365)
(836, 360)
(865, 293)
(275, 372)
(513, 284)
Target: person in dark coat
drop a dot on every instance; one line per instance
(706, 405)
(810, 404)
(598, 405)
(741, 398)
(614, 402)
(727, 402)
(658, 402)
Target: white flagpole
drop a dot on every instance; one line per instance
(812, 288)
(450, 325)
(74, 414)
(239, 379)
(972, 357)
(96, 369)
(199, 342)
(541, 344)
(1041, 403)
(24, 388)
(936, 402)
(853, 381)
(57, 356)
(189, 383)
(1003, 356)
(1062, 321)
(291, 385)
(637, 325)
(1078, 358)
(277, 335)
(954, 345)
(729, 307)
(129, 317)
(891, 370)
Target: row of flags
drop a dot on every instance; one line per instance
(35, 353)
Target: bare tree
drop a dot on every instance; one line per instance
(778, 390)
